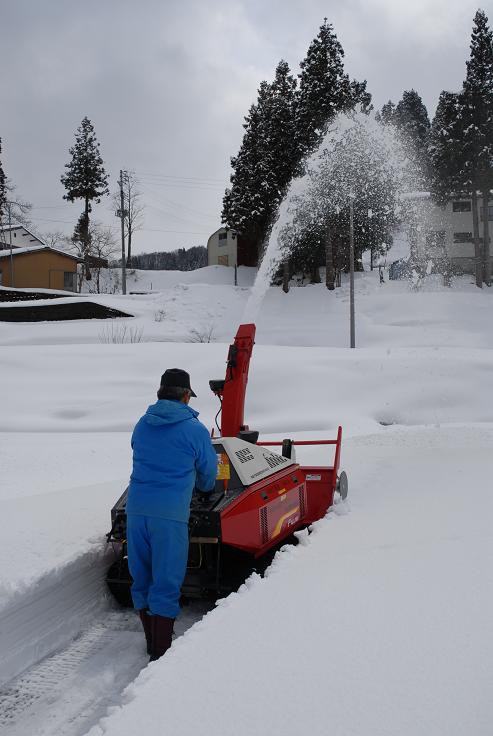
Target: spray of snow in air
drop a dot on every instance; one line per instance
(357, 157)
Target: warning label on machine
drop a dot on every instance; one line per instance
(223, 467)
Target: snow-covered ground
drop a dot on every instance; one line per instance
(378, 623)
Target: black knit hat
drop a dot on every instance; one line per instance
(176, 378)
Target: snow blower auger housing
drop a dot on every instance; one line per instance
(261, 496)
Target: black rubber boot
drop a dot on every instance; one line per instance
(146, 624)
(162, 633)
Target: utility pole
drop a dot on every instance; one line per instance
(122, 220)
(10, 242)
(351, 270)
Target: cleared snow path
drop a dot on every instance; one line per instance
(50, 613)
(67, 692)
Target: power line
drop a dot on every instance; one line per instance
(177, 204)
(183, 183)
(179, 232)
(49, 206)
(185, 217)
(173, 216)
(183, 178)
(66, 222)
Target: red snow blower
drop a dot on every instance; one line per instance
(261, 496)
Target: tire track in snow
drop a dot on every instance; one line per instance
(51, 613)
(67, 692)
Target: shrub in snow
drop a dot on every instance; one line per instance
(119, 332)
(160, 315)
(205, 334)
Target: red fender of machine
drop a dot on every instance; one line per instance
(278, 496)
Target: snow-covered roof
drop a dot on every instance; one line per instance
(4, 230)
(34, 249)
(219, 230)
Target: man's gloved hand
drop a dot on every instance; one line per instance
(202, 496)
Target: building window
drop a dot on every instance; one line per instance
(435, 239)
(68, 281)
(222, 236)
(461, 206)
(490, 213)
(462, 237)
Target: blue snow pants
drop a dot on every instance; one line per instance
(157, 560)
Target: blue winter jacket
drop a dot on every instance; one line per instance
(172, 452)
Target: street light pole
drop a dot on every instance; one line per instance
(122, 220)
(10, 243)
(351, 271)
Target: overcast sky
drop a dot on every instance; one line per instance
(167, 84)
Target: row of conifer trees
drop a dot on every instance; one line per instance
(453, 153)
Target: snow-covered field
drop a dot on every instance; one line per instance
(378, 623)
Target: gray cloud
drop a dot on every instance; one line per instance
(167, 84)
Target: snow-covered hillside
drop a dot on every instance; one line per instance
(204, 305)
(377, 623)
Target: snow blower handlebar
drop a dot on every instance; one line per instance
(232, 390)
(296, 443)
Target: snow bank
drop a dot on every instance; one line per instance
(38, 620)
(375, 624)
(387, 315)
(379, 622)
(105, 388)
(67, 453)
(139, 280)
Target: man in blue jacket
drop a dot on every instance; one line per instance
(172, 453)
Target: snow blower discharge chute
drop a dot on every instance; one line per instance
(261, 496)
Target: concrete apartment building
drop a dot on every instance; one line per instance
(447, 233)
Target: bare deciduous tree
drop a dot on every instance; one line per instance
(15, 209)
(103, 246)
(134, 209)
(55, 239)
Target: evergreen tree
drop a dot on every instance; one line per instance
(324, 89)
(82, 242)
(445, 149)
(182, 259)
(386, 114)
(411, 119)
(359, 162)
(477, 123)
(3, 188)
(280, 127)
(85, 179)
(263, 167)
(359, 95)
(245, 205)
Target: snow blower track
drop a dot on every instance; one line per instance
(67, 653)
(65, 692)
(50, 613)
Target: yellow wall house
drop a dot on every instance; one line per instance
(38, 268)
